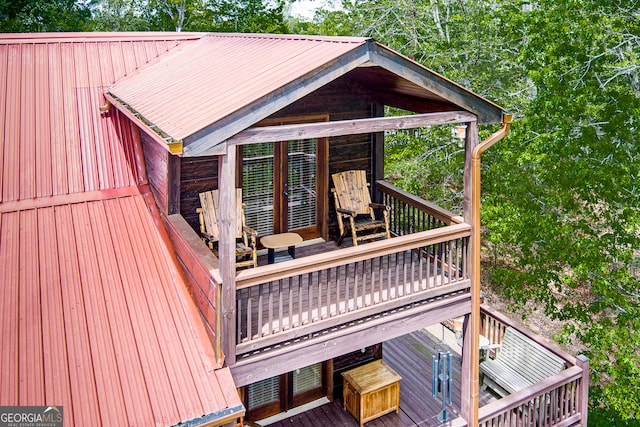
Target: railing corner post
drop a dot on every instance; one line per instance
(582, 362)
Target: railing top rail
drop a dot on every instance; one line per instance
(552, 347)
(523, 396)
(263, 274)
(435, 210)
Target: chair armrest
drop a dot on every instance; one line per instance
(206, 236)
(250, 231)
(379, 206)
(347, 212)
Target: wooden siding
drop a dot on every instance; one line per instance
(347, 101)
(200, 267)
(157, 160)
(197, 174)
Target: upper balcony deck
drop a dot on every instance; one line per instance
(332, 300)
(340, 299)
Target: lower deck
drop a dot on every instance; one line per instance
(410, 356)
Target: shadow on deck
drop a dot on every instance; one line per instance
(410, 355)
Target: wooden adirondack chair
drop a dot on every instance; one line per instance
(353, 205)
(246, 254)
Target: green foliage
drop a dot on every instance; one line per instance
(560, 193)
(44, 15)
(427, 162)
(566, 216)
(248, 16)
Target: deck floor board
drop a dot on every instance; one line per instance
(410, 355)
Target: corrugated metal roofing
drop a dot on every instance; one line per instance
(54, 141)
(202, 83)
(100, 322)
(95, 313)
(199, 95)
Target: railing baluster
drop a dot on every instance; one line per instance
(300, 307)
(270, 307)
(337, 272)
(290, 300)
(280, 311)
(346, 288)
(449, 244)
(239, 320)
(250, 333)
(260, 303)
(356, 283)
(328, 282)
(387, 259)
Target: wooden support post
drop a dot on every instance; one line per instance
(468, 401)
(227, 252)
(377, 152)
(583, 396)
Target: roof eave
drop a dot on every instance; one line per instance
(165, 140)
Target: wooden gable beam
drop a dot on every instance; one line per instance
(487, 111)
(347, 127)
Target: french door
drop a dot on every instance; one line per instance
(284, 186)
(279, 394)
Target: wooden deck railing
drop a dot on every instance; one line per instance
(283, 301)
(560, 400)
(411, 214)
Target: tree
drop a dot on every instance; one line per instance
(44, 15)
(560, 194)
(120, 15)
(566, 218)
(250, 16)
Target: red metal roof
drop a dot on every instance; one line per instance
(100, 322)
(54, 141)
(95, 313)
(202, 83)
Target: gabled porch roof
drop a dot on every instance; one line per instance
(197, 97)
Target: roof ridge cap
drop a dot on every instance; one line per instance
(276, 36)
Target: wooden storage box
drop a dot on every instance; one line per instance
(371, 390)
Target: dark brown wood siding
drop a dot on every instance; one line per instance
(198, 174)
(342, 100)
(350, 361)
(157, 160)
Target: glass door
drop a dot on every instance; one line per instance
(281, 186)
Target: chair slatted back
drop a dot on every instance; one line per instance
(352, 191)
(210, 202)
